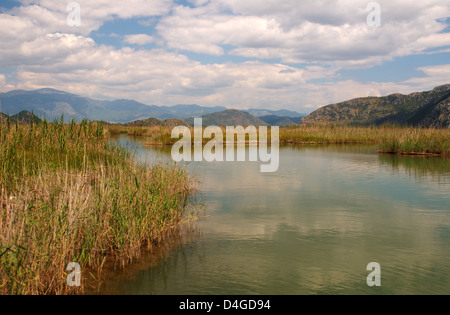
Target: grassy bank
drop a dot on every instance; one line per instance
(417, 142)
(401, 140)
(69, 195)
(156, 135)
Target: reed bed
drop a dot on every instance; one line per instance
(69, 195)
(156, 135)
(418, 142)
(332, 134)
(391, 139)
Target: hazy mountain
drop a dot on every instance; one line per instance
(187, 111)
(47, 103)
(171, 122)
(24, 117)
(174, 122)
(274, 120)
(229, 117)
(281, 113)
(52, 104)
(428, 109)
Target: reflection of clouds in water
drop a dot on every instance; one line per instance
(315, 189)
(313, 226)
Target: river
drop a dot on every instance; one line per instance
(310, 228)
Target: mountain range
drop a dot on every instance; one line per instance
(52, 104)
(230, 117)
(274, 120)
(426, 109)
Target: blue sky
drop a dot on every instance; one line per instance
(273, 54)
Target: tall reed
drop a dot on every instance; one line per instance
(392, 139)
(69, 195)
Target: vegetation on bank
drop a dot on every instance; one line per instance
(417, 141)
(391, 139)
(69, 195)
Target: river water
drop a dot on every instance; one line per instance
(310, 228)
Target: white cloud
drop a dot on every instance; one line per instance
(328, 35)
(139, 39)
(95, 12)
(433, 76)
(330, 31)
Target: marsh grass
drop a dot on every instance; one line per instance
(155, 134)
(70, 195)
(417, 142)
(391, 139)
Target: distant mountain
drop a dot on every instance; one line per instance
(186, 111)
(150, 122)
(22, 117)
(174, 122)
(427, 109)
(229, 117)
(281, 113)
(274, 120)
(52, 104)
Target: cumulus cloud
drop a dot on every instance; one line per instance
(139, 39)
(331, 31)
(326, 36)
(95, 12)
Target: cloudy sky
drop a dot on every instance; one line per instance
(274, 54)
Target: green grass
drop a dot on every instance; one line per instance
(69, 195)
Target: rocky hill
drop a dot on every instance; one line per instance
(427, 109)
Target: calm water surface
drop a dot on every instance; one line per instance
(310, 228)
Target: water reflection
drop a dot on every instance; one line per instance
(419, 166)
(181, 240)
(312, 227)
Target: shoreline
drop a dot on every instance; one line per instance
(414, 153)
(405, 140)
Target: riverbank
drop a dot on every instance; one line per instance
(69, 195)
(395, 140)
(418, 142)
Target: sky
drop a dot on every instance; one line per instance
(241, 54)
